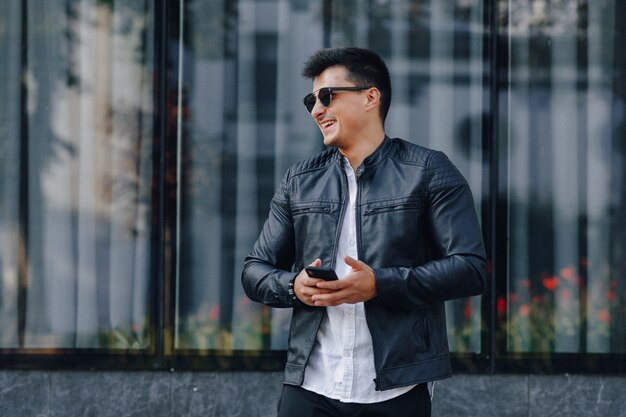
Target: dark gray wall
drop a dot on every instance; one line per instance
(254, 394)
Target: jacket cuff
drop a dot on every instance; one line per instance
(390, 288)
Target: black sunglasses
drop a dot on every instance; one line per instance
(325, 95)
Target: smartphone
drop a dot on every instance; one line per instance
(327, 274)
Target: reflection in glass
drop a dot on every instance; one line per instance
(76, 174)
(434, 50)
(245, 125)
(566, 182)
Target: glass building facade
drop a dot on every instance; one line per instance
(141, 142)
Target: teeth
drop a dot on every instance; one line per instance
(328, 123)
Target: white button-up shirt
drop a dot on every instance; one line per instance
(341, 365)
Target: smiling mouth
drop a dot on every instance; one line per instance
(327, 123)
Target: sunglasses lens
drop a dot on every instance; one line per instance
(325, 96)
(309, 102)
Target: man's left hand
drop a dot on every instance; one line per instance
(357, 286)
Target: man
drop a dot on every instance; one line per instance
(396, 222)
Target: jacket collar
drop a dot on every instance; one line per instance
(373, 159)
(377, 156)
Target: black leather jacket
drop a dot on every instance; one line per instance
(418, 230)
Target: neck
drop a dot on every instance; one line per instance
(363, 147)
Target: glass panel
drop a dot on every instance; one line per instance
(10, 33)
(434, 50)
(567, 200)
(76, 173)
(244, 125)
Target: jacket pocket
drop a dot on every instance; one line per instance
(393, 205)
(420, 332)
(314, 228)
(311, 209)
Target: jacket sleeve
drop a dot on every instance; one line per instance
(459, 266)
(267, 269)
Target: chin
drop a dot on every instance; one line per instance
(330, 141)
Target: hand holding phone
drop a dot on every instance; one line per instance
(327, 274)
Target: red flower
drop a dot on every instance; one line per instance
(604, 315)
(467, 310)
(214, 313)
(524, 310)
(569, 273)
(501, 305)
(550, 282)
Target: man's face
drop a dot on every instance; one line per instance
(341, 120)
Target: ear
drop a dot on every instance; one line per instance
(372, 98)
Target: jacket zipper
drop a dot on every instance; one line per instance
(335, 248)
(342, 213)
(314, 209)
(368, 318)
(399, 206)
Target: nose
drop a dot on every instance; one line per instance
(318, 109)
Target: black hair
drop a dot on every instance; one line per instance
(363, 67)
